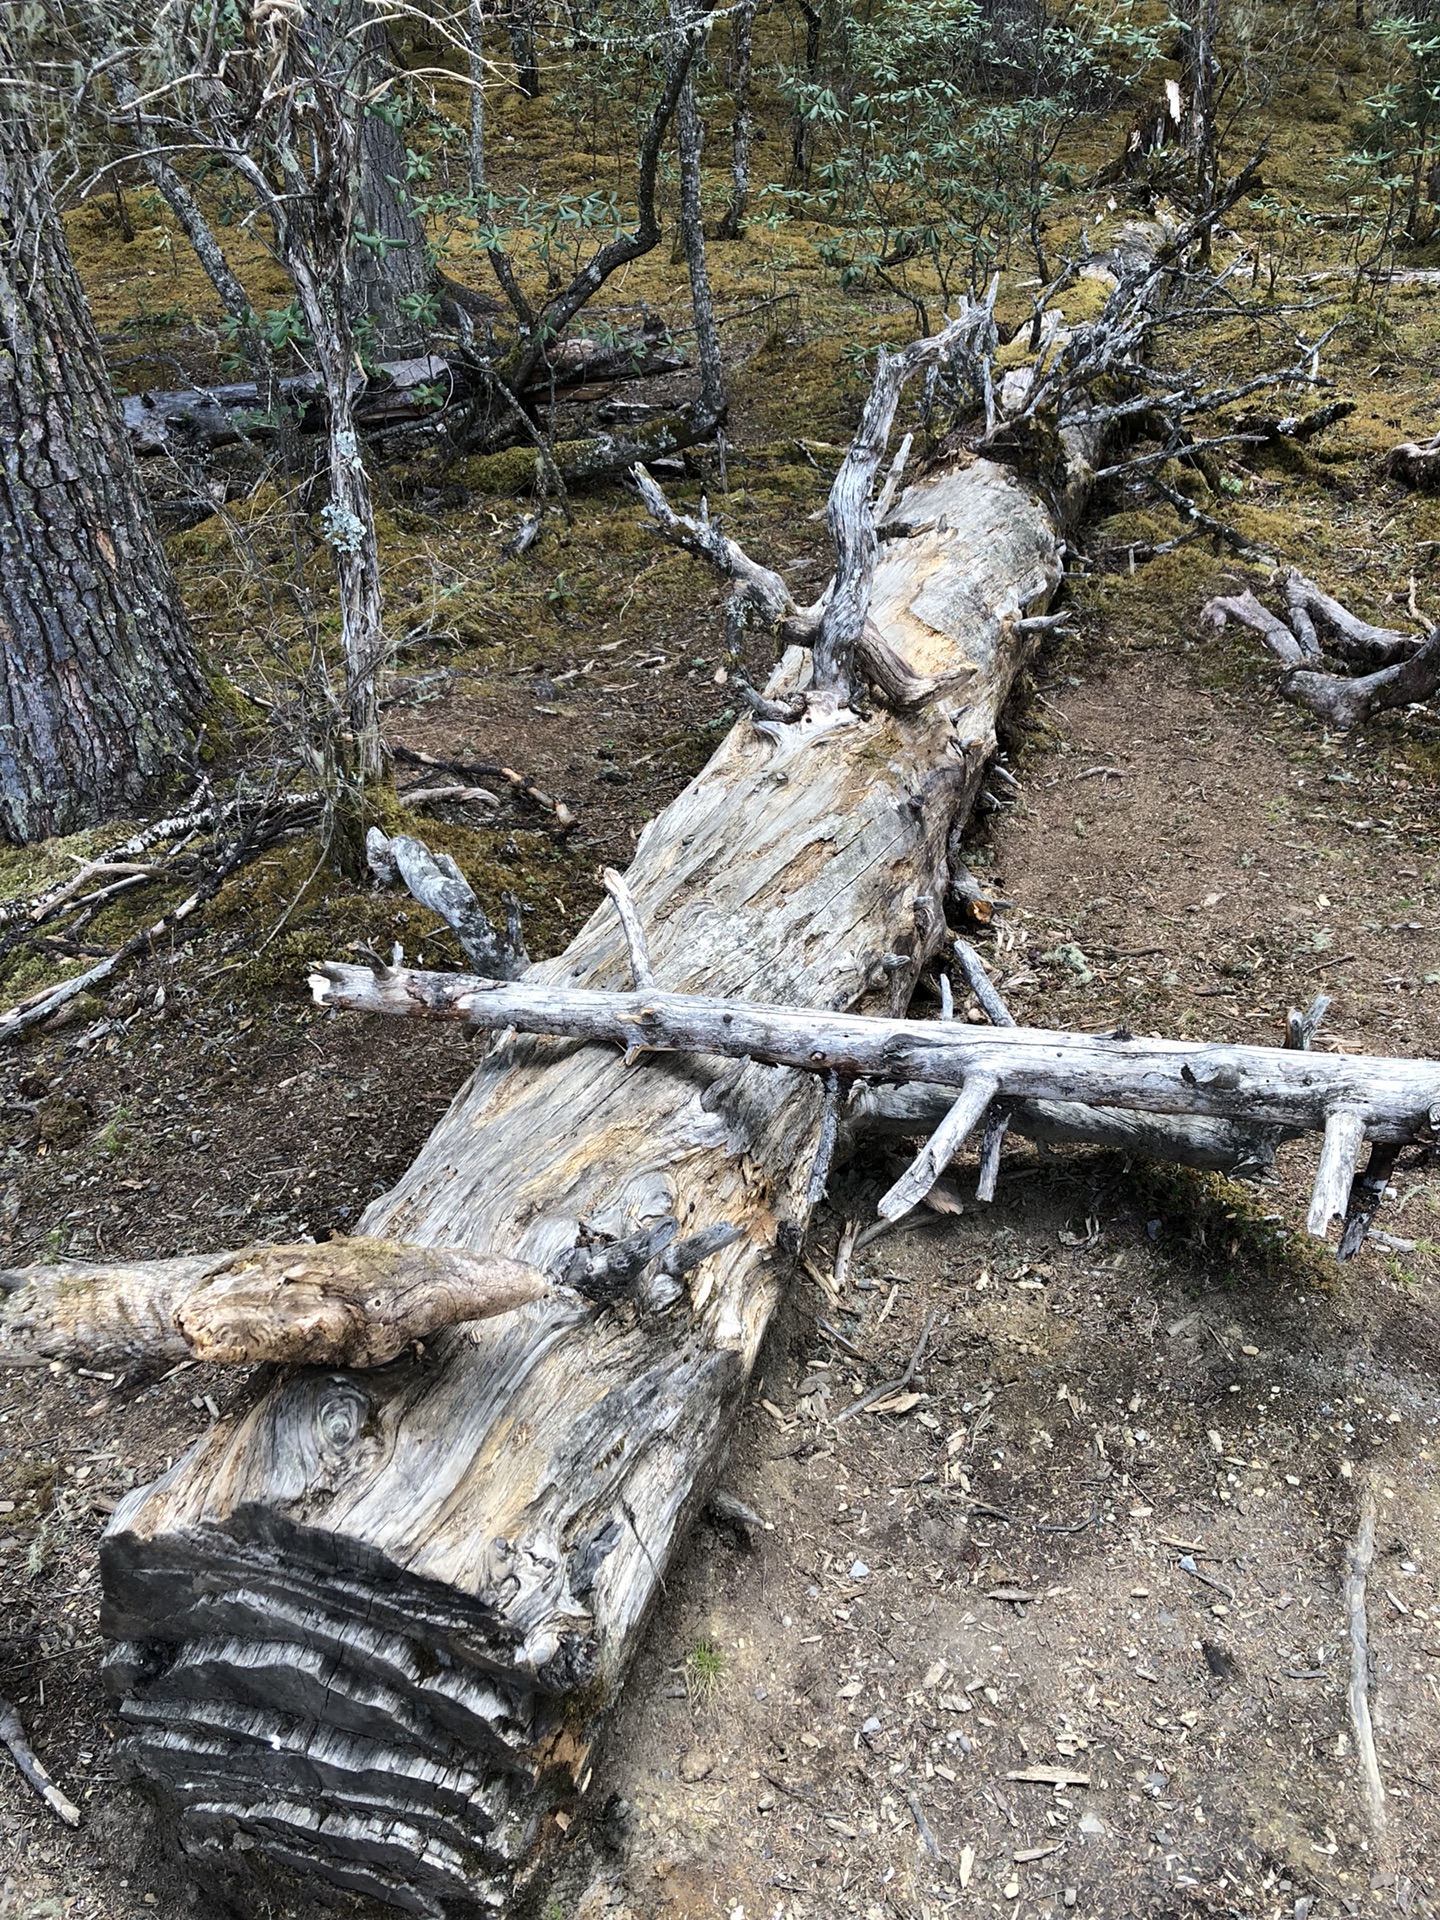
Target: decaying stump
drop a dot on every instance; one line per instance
(370, 1625)
(1405, 666)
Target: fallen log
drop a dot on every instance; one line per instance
(370, 1626)
(398, 392)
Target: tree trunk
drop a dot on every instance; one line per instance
(391, 275)
(522, 48)
(691, 133)
(99, 682)
(742, 35)
(475, 38)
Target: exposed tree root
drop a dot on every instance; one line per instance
(1411, 676)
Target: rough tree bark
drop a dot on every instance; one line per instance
(690, 127)
(691, 130)
(742, 36)
(99, 683)
(478, 1537)
(475, 53)
(392, 270)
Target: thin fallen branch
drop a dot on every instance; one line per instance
(1350, 1097)
(480, 770)
(981, 985)
(940, 1149)
(643, 972)
(1357, 1571)
(26, 1759)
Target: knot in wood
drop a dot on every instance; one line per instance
(1222, 1077)
(340, 1419)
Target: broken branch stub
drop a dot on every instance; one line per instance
(341, 1303)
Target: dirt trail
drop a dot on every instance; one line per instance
(1147, 1402)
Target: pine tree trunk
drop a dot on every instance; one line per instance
(98, 676)
(391, 270)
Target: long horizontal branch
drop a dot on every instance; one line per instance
(1397, 1099)
(1186, 1140)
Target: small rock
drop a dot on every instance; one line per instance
(1072, 1894)
(695, 1764)
(859, 1570)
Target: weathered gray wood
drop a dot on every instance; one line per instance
(940, 1149)
(437, 883)
(1395, 1099)
(477, 1504)
(342, 1303)
(502, 1512)
(1221, 1146)
(1344, 1137)
(201, 419)
(1339, 701)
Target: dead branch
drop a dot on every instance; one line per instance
(1415, 464)
(1348, 1097)
(438, 884)
(342, 1303)
(1340, 701)
(1357, 1570)
(25, 1758)
(762, 598)
(479, 770)
(202, 419)
(619, 892)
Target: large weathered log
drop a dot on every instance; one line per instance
(371, 1625)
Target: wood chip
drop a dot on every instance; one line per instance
(1050, 1776)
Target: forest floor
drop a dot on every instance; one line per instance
(1124, 1368)
(1143, 1399)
